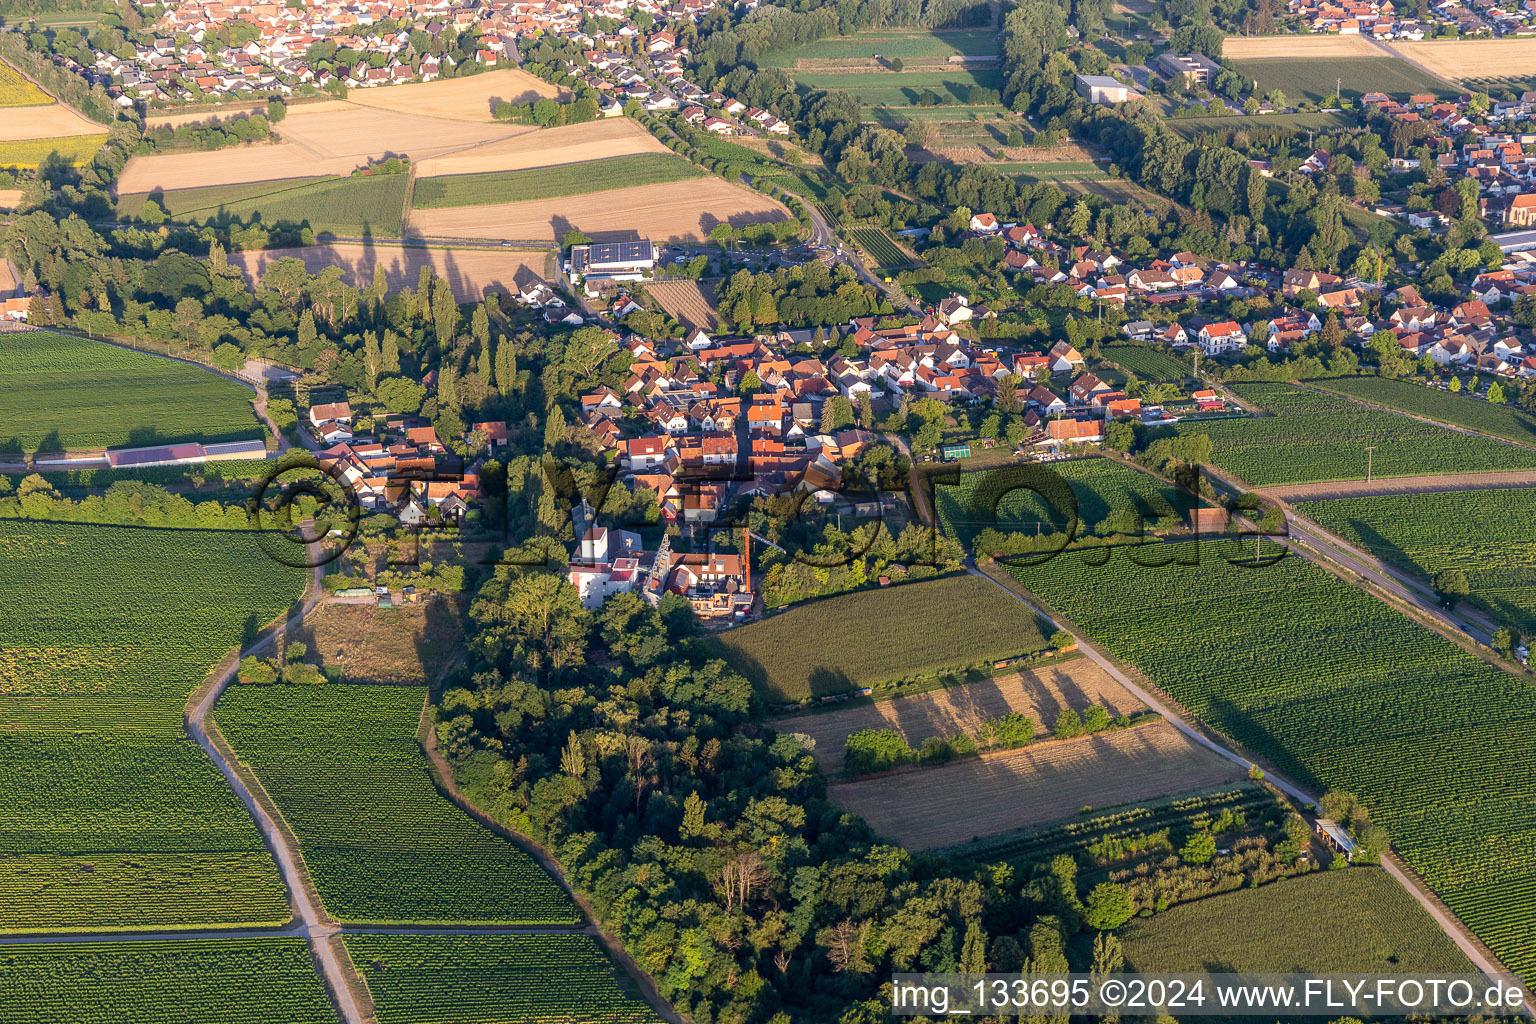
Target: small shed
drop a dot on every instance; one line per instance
(1337, 839)
(1207, 520)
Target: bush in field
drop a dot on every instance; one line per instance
(876, 750)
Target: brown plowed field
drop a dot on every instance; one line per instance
(54, 121)
(691, 302)
(1041, 694)
(674, 211)
(460, 99)
(1037, 785)
(472, 273)
(1310, 45)
(595, 140)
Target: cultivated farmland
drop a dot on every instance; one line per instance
(472, 273)
(575, 143)
(917, 46)
(881, 88)
(691, 302)
(1039, 693)
(348, 206)
(1292, 925)
(679, 211)
(209, 981)
(16, 91)
(1315, 78)
(1435, 740)
(1455, 59)
(1035, 785)
(494, 979)
(876, 636)
(1441, 406)
(881, 249)
(1108, 495)
(110, 816)
(470, 98)
(1486, 534)
(1298, 46)
(73, 149)
(566, 179)
(1319, 437)
(61, 392)
(1132, 824)
(343, 766)
(1147, 363)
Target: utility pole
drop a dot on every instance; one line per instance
(1370, 450)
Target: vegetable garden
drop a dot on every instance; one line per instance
(1320, 437)
(1435, 740)
(110, 816)
(1484, 533)
(209, 981)
(58, 391)
(494, 979)
(382, 844)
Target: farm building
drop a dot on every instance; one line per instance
(1103, 89)
(1337, 839)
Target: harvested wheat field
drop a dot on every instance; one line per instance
(232, 166)
(413, 644)
(362, 133)
(691, 302)
(53, 121)
(1472, 58)
(675, 211)
(472, 273)
(1313, 45)
(460, 99)
(8, 277)
(10, 198)
(1037, 785)
(595, 140)
(1040, 693)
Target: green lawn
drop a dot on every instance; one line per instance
(1293, 926)
(110, 816)
(382, 845)
(889, 43)
(903, 89)
(551, 182)
(1306, 78)
(838, 644)
(58, 391)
